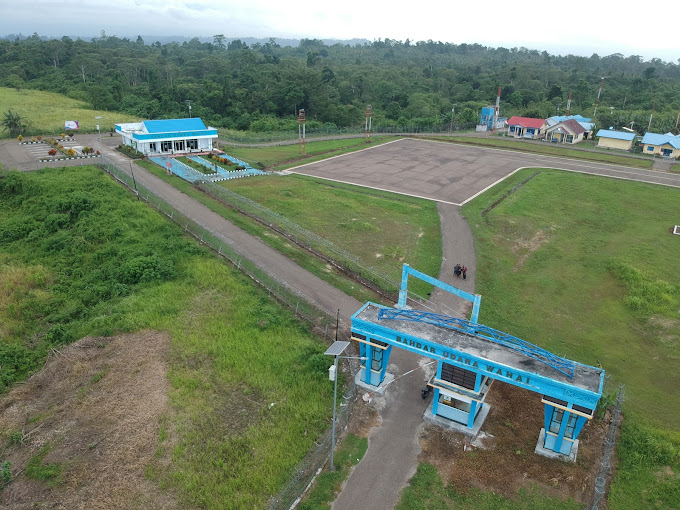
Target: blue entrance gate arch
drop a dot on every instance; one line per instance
(470, 356)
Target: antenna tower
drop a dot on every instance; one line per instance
(496, 110)
(569, 104)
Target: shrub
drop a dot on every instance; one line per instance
(52, 152)
(146, 269)
(98, 152)
(33, 139)
(39, 137)
(71, 152)
(86, 150)
(20, 137)
(63, 135)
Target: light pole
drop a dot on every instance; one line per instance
(188, 102)
(98, 130)
(453, 110)
(336, 350)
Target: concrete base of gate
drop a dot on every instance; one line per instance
(447, 424)
(378, 390)
(541, 450)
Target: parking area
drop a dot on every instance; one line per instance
(451, 173)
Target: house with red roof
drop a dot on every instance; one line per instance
(567, 131)
(526, 127)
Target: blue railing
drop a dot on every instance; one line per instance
(562, 365)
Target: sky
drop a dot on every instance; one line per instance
(604, 27)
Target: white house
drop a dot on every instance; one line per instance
(167, 137)
(567, 131)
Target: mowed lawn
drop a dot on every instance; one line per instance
(586, 267)
(46, 112)
(382, 229)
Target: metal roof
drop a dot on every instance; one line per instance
(173, 125)
(525, 122)
(617, 135)
(658, 139)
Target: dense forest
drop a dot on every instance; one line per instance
(260, 87)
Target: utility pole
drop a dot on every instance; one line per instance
(651, 115)
(453, 111)
(496, 110)
(597, 101)
(676, 124)
(188, 102)
(301, 132)
(369, 122)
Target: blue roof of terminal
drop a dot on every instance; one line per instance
(657, 139)
(617, 135)
(172, 125)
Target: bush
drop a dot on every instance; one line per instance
(39, 137)
(146, 269)
(20, 137)
(71, 152)
(52, 152)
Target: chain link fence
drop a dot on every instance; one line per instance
(315, 460)
(609, 446)
(274, 286)
(382, 283)
(317, 457)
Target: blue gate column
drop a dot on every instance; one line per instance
(377, 355)
(562, 425)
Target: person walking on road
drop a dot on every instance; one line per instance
(457, 270)
(463, 270)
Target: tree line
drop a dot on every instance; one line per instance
(262, 86)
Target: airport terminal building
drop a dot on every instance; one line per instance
(168, 137)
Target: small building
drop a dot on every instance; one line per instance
(566, 131)
(585, 122)
(489, 120)
(611, 139)
(167, 137)
(667, 145)
(526, 127)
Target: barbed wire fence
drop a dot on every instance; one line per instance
(605, 471)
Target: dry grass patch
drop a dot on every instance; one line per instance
(97, 409)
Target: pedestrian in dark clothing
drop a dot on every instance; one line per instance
(456, 270)
(464, 271)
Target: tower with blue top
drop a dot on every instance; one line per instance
(470, 356)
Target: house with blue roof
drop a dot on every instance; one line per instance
(168, 137)
(667, 145)
(611, 139)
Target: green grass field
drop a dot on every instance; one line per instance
(46, 112)
(287, 156)
(384, 230)
(586, 267)
(80, 256)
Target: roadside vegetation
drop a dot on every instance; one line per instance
(586, 267)
(249, 387)
(427, 491)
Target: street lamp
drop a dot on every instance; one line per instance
(336, 350)
(98, 130)
(188, 102)
(453, 110)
